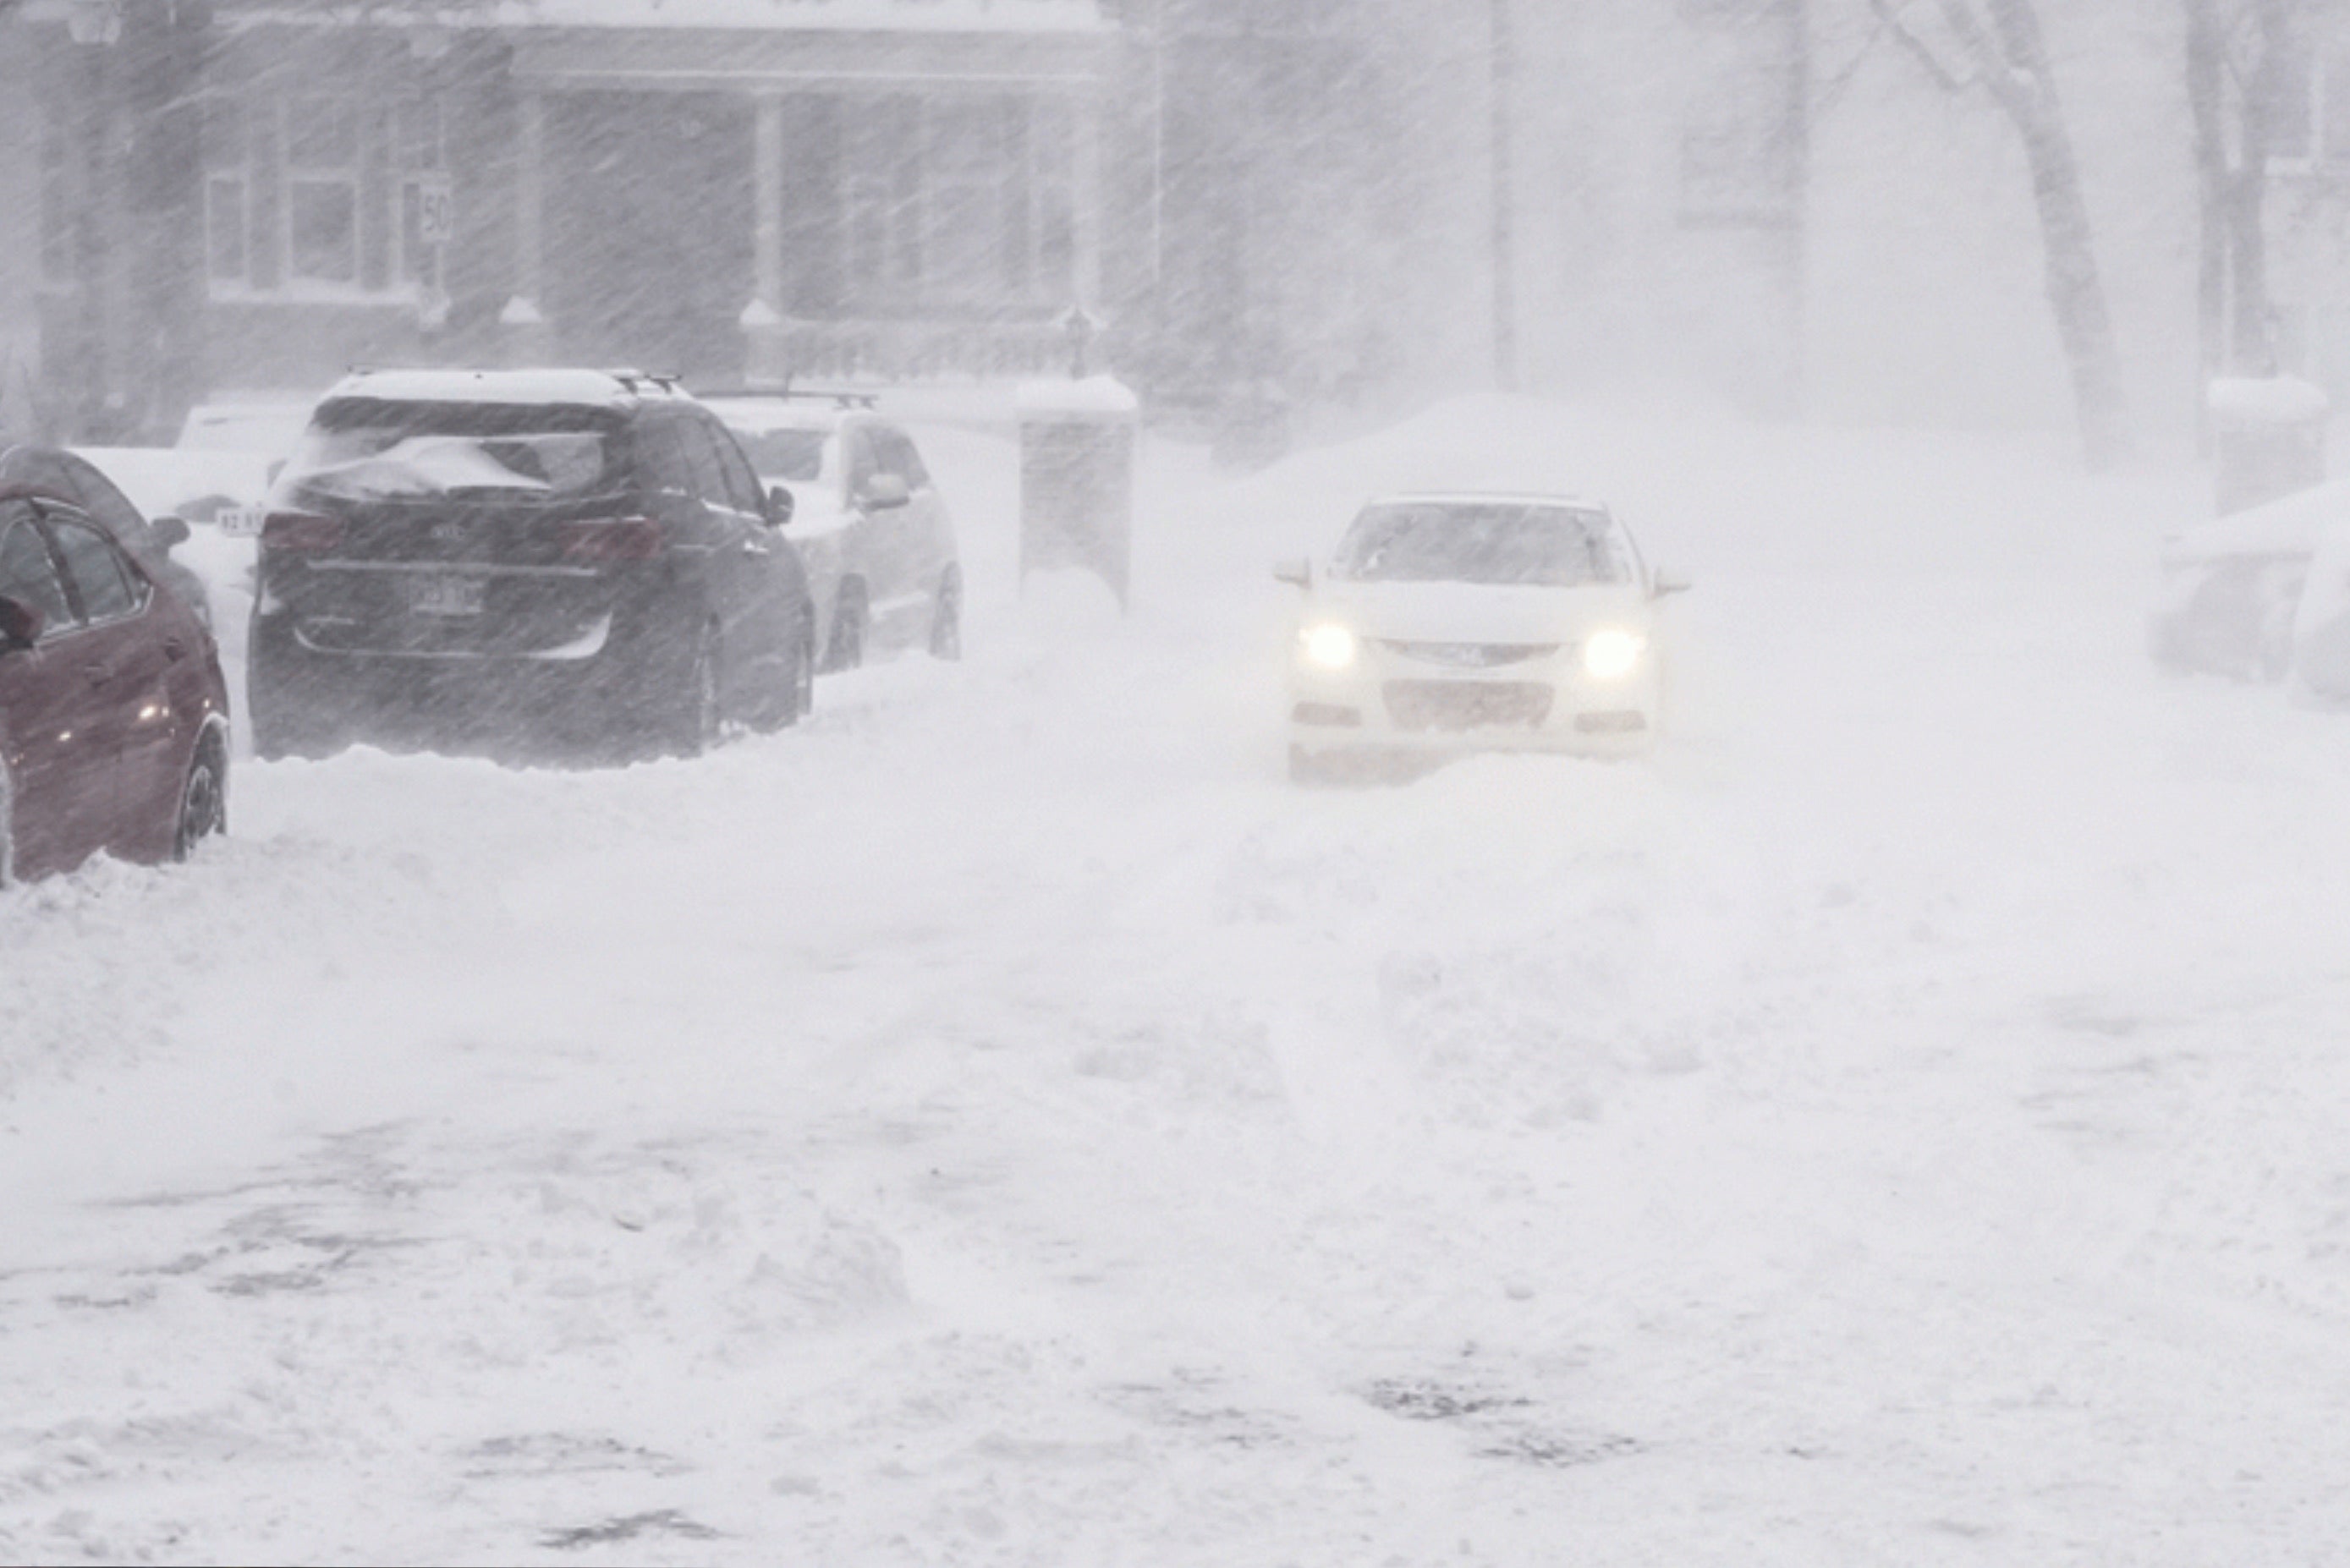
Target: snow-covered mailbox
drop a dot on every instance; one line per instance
(1077, 477)
(2268, 439)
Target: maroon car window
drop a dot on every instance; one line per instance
(102, 501)
(27, 573)
(107, 589)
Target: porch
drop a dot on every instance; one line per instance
(764, 203)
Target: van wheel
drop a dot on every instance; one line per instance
(804, 673)
(847, 650)
(946, 620)
(204, 799)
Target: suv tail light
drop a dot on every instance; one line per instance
(611, 539)
(300, 533)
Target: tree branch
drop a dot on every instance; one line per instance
(1890, 19)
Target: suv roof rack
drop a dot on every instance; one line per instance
(838, 397)
(638, 380)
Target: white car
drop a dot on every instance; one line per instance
(866, 519)
(1457, 622)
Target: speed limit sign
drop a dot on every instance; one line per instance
(436, 210)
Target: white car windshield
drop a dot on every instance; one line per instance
(368, 451)
(1497, 543)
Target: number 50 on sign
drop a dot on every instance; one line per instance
(436, 210)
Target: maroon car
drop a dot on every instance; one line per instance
(113, 716)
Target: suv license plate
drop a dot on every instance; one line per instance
(446, 596)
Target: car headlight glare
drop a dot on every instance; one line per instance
(1612, 654)
(1327, 646)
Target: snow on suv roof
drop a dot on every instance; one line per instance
(1487, 498)
(594, 389)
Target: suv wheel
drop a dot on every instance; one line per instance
(694, 713)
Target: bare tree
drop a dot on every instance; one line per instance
(1997, 47)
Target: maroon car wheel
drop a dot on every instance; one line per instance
(203, 800)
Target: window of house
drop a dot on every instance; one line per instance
(228, 226)
(882, 190)
(286, 200)
(1052, 195)
(967, 161)
(322, 190)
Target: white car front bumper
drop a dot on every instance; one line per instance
(1419, 698)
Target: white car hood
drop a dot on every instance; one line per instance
(1468, 612)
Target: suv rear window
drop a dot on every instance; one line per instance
(364, 449)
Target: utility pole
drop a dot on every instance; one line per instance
(1505, 264)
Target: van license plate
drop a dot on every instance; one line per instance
(445, 596)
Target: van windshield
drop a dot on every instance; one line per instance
(784, 454)
(361, 449)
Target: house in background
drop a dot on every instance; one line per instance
(1765, 200)
(893, 187)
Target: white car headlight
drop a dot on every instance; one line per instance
(1327, 645)
(1613, 653)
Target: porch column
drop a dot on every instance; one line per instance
(765, 345)
(528, 338)
(20, 242)
(1086, 199)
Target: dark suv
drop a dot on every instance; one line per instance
(571, 556)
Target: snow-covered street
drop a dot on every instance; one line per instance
(1001, 1122)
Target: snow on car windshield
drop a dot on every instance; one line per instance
(1494, 543)
(386, 451)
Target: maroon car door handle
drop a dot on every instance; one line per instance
(98, 674)
(175, 649)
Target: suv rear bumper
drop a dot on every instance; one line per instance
(613, 686)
